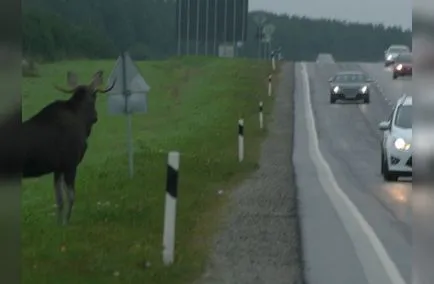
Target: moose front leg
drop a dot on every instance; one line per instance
(70, 194)
(58, 194)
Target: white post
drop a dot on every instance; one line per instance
(273, 61)
(269, 85)
(261, 115)
(240, 140)
(170, 207)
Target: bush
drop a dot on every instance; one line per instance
(29, 68)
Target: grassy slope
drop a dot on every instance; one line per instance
(117, 224)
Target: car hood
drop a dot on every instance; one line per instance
(404, 133)
(393, 54)
(349, 85)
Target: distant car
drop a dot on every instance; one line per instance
(349, 85)
(392, 52)
(403, 65)
(396, 145)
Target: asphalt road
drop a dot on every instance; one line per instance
(355, 227)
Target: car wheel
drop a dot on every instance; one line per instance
(395, 76)
(332, 100)
(382, 162)
(387, 175)
(366, 100)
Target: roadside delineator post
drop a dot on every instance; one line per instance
(240, 140)
(269, 84)
(261, 115)
(170, 207)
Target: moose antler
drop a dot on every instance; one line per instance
(109, 88)
(71, 91)
(63, 90)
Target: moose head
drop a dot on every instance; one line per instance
(83, 99)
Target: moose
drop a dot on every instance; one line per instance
(54, 140)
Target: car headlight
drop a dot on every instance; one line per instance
(336, 89)
(400, 144)
(364, 89)
(389, 57)
(399, 67)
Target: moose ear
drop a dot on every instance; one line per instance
(72, 79)
(97, 79)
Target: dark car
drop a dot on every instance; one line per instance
(392, 52)
(350, 85)
(403, 65)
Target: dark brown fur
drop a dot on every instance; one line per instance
(55, 139)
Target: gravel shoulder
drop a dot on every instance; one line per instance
(259, 241)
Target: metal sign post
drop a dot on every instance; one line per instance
(128, 98)
(268, 31)
(126, 93)
(259, 20)
(179, 3)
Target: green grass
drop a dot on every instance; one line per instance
(117, 223)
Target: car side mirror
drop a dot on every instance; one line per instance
(384, 125)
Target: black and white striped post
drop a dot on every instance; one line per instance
(261, 115)
(270, 84)
(170, 208)
(240, 140)
(273, 60)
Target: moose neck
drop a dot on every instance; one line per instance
(83, 106)
(76, 102)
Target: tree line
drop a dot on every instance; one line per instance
(60, 29)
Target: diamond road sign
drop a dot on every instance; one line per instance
(130, 92)
(269, 29)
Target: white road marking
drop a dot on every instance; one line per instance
(357, 227)
(381, 92)
(363, 108)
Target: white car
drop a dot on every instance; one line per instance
(392, 52)
(396, 146)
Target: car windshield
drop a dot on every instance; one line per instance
(404, 58)
(350, 78)
(404, 117)
(399, 49)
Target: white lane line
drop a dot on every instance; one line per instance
(379, 88)
(381, 92)
(364, 238)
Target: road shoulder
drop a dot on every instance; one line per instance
(259, 241)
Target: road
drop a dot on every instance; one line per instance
(355, 227)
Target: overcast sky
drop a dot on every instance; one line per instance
(388, 12)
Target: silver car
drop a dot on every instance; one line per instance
(392, 52)
(396, 146)
(350, 85)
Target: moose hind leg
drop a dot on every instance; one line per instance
(70, 193)
(58, 194)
